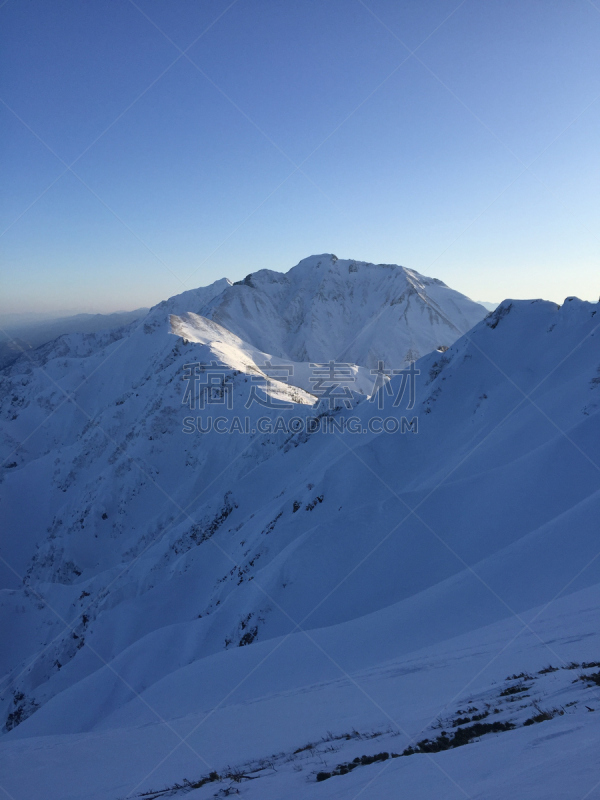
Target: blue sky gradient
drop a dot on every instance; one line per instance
(299, 128)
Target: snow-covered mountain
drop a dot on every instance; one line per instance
(347, 310)
(256, 589)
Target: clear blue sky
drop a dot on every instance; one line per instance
(419, 160)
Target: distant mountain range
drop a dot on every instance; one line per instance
(19, 333)
(285, 599)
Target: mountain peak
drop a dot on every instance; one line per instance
(343, 309)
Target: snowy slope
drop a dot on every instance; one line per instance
(167, 566)
(230, 349)
(282, 737)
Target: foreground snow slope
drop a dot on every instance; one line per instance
(330, 713)
(169, 573)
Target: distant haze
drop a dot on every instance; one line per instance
(22, 332)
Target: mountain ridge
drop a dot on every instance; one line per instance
(162, 567)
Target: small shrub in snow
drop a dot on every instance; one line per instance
(348, 766)
(459, 738)
(516, 689)
(543, 715)
(314, 503)
(525, 676)
(591, 680)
